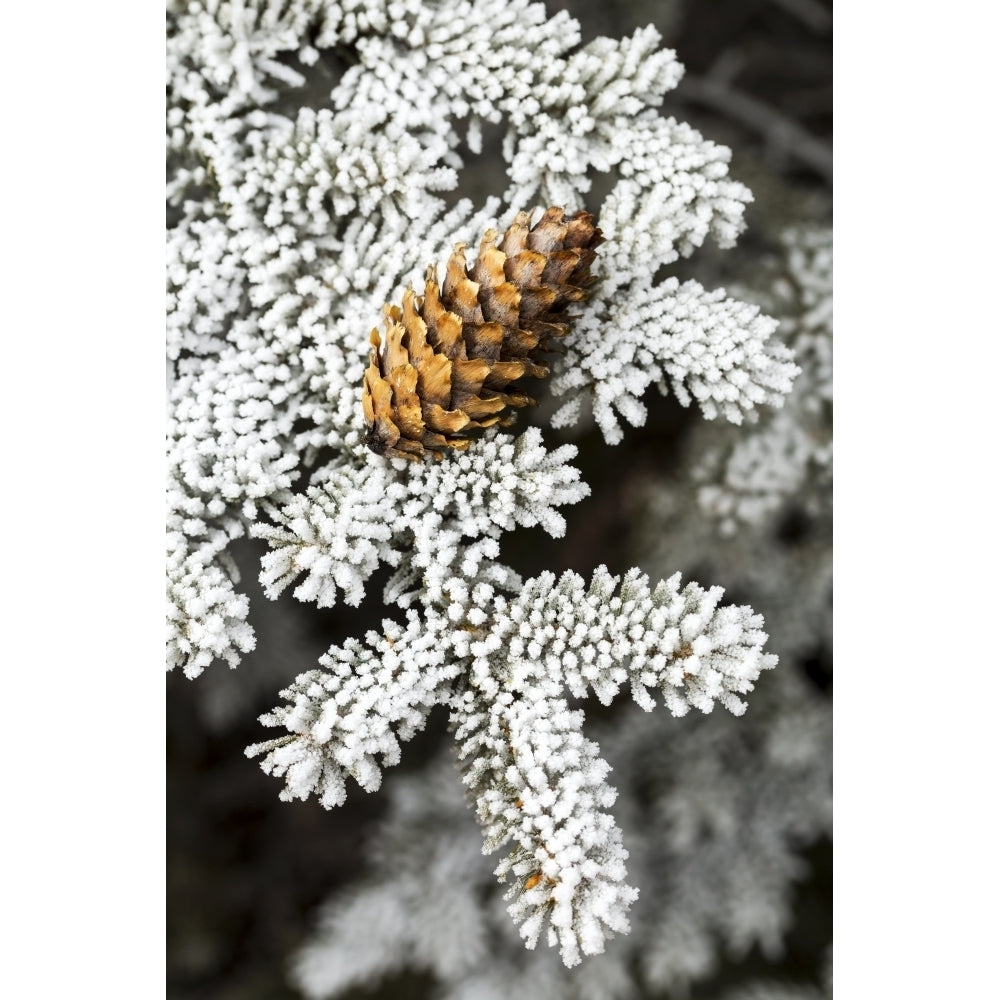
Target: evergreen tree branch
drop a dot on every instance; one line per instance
(368, 699)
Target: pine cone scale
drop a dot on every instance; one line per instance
(467, 380)
(445, 421)
(446, 368)
(434, 380)
(525, 268)
(484, 340)
(502, 305)
(444, 327)
(536, 302)
(461, 293)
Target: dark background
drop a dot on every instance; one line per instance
(245, 871)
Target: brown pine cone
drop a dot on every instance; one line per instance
(449, 358)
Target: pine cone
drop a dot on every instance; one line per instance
(450, 357)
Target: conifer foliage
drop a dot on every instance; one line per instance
(291, 226)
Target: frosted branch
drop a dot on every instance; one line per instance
(228, 432)
(675, 192)
(744, 479)
(691, 799)
(206, 617)
(539, 782)
(205, 278)
(372, 513)
(573, 120)
(368, 699)
(336, 535)
(677, 641)
(325, 170)
(717, 351)
(501, 482)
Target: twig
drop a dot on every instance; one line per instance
(781, 133)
